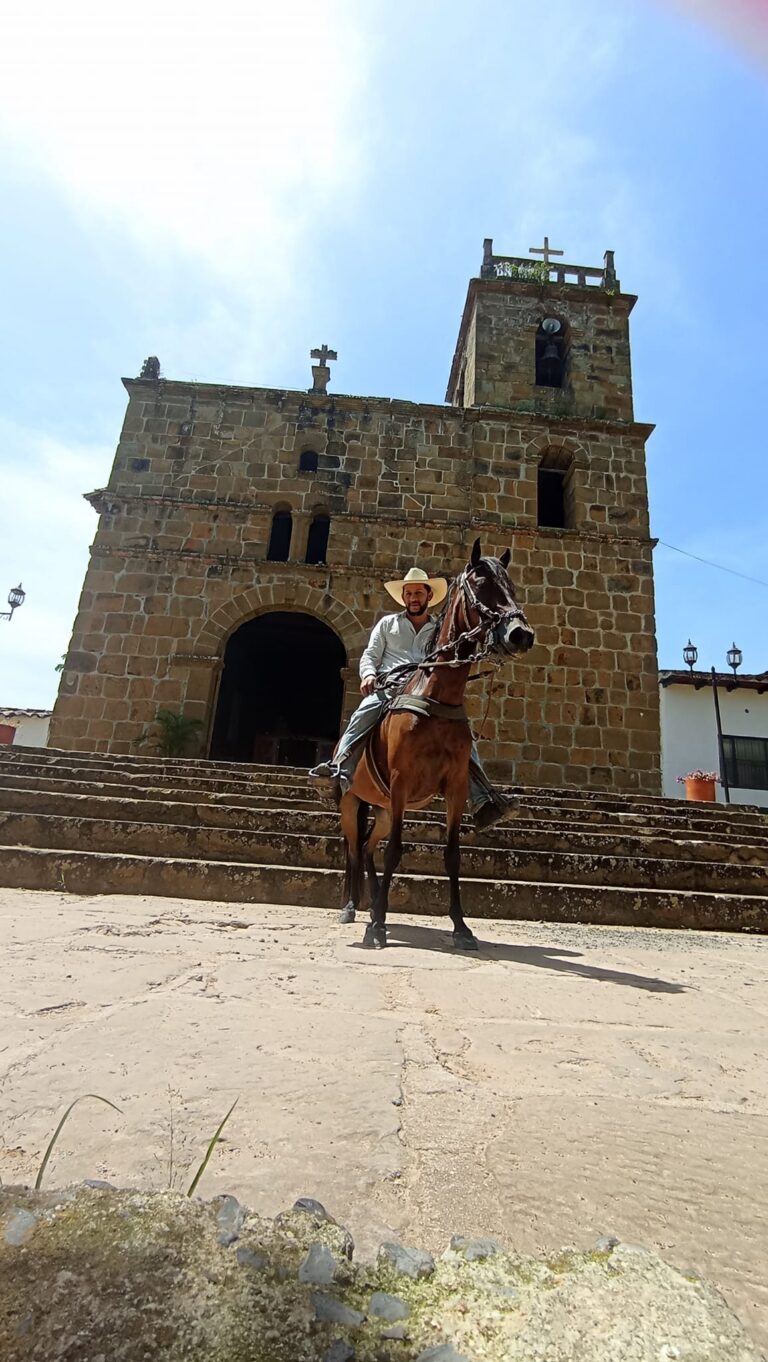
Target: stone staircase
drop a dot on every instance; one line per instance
(88, 823)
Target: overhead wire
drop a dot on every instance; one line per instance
(708, 561)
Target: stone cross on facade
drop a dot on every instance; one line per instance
(546, 250)
(320, 371)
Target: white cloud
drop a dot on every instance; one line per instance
(45, 530)
(220, 132)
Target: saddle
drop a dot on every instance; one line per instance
(425, 708)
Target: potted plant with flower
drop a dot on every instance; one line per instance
(700, 785)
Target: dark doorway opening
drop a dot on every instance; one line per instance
(281, 692)
(551, 500)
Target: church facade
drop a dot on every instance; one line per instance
(245, 533)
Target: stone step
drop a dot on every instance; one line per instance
(83, 872)
(207, 769)
(326, 852)
(240, 777)
(426, 826)
(711, 824)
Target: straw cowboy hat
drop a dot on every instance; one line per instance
(417, 577)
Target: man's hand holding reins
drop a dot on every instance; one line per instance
(368, 685)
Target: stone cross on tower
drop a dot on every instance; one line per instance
(546, 250)
(321, 372)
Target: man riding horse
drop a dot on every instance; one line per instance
(397, 640)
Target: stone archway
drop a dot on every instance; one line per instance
(281, 692)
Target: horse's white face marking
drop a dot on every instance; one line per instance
(516, 636)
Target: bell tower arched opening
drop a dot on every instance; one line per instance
(281, 691)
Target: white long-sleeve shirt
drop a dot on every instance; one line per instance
(394, 641)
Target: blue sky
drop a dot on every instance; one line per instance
(228, 190)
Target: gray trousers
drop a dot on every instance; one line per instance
(352, 742)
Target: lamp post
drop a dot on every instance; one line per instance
(734, 658)
(690, 654)
(720, 752)
(16, 597)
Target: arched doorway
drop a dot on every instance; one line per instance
(281, 691)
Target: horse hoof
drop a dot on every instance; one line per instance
(379, 938)
(347, 914)
(368, 938)
(465, 941)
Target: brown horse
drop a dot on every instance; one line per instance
(421, 748)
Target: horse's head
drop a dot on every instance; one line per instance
(491, 596)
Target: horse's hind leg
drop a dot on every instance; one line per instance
(455, 801)
(354, 819)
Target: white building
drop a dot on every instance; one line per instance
(24, 727)
(689, 732)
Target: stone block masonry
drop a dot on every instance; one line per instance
(180, 558)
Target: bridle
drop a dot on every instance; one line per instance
(484, 636)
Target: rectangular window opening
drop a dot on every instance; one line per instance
(746, 762)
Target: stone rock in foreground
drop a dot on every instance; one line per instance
(93, 1273)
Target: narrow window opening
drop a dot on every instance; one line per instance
(280, 537)
(746, 762)
(551, 354)
(551, 498)
(317, 539)
(308, 461)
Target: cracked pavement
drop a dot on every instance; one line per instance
(567, 1082)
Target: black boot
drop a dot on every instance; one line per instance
(491, 811)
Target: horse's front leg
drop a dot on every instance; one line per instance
(381, 826)
(377, 933)
(455, 802)
(354, 814)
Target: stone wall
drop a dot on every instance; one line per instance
(496, 346)
(178, 562)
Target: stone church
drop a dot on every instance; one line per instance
(245, 533)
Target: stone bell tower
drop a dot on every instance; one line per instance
(568, 359)
(543, 357)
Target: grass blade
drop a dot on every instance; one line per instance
(58, 1130)
(210, 1149)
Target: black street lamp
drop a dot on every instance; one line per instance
(16, 597)
(734, 657)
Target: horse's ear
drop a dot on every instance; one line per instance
(505, 557)
(475, 555)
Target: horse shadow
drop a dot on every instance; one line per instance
(553, 958)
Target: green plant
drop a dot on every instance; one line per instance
(59, 1128)
(174, 735)
(210, 1149)
(60, 665)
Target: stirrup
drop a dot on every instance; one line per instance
(324, 771)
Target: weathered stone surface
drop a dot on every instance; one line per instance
(474, 1250)
(130, 1274)
(387, 1307)
(180, 557)
(220, 831)
(319, 1267)
(229, 1218)
(409, 1262)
